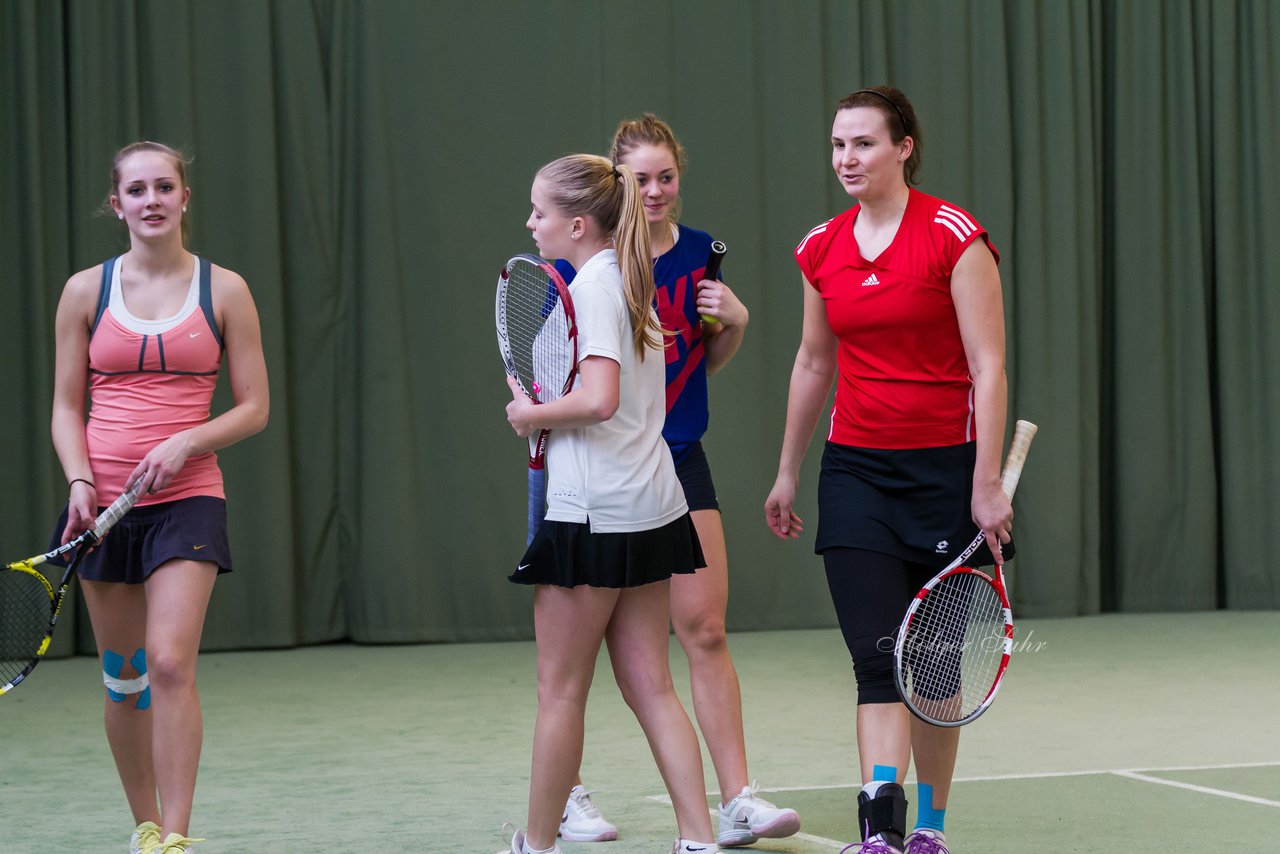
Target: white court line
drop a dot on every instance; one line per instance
(1204, 790)
(990, 778)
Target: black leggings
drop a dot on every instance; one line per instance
(871, 591)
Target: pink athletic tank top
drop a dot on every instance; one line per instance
(150, 379)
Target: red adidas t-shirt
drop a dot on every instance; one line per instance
(903, 377)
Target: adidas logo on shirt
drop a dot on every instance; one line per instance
(870, 281)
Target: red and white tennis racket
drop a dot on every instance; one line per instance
(538, 339)
(955, 641)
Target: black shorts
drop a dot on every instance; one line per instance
(694, 473)
(913, 504)
(567, 554)
(149, 536)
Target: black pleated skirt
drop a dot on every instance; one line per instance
(566, 554)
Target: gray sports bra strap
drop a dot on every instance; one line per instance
(104, 292)
(206, 299)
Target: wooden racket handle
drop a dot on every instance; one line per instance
(1023, 433)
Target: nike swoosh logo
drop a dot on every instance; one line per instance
(199, 547)
(195, 334)
(523, 566)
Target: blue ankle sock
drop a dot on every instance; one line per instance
(928, 818)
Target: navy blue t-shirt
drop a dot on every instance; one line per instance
(676, 274)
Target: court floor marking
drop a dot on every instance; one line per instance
(1133, 774)
(1204, 790)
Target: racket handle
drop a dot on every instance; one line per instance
(1023, 433)
(537, 501)
(712, 271)
(122, 505)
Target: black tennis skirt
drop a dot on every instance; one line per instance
(913, 504)
(147, 537)
(566, 554)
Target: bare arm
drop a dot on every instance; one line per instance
(723, 338)
(811, 379)
(975, 290)
(71, 379)
(247, 371)
(595, 399)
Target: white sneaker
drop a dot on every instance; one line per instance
(685, 846)
(747, 818)
(582, 822)
(517, 845)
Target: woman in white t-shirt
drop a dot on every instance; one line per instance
(617, 526)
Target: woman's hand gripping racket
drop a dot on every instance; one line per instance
(954, 643)
(29, 605)
(712, 270)
(538, 339)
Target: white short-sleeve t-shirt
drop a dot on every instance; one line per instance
(618, 474)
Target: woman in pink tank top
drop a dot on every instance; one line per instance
(146, 333)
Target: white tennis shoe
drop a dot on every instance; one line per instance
(748, 818)
(582, 821)
(517, 845)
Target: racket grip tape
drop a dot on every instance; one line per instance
(537, 501)
(122, 505)
(1023, 433)
(712, 271)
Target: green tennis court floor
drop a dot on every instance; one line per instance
(1138, 733)
(1047, 812)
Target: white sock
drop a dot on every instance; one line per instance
(528, 850)
(873, 788)
(688, 846)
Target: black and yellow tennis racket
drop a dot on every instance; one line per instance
(29, 604)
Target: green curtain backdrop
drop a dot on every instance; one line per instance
(366, 167)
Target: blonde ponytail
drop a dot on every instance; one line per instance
(635, 260)
(590, 186)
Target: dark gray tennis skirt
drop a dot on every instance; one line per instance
(566, 554)
(147, 537)
(913, 504)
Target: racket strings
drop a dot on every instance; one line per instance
(538, 332)
(955, 647)
(25, 610)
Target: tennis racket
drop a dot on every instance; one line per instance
(538, 339)
(29, 605)
(955, 641)
(712, 270)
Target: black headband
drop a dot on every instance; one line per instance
(906, 127)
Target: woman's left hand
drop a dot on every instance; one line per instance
(715, 299)
(162, 463)
(993, 513)
(519, 410)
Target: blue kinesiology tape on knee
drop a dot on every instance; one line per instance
(112, 665)
(927, 817)
(139, 662)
